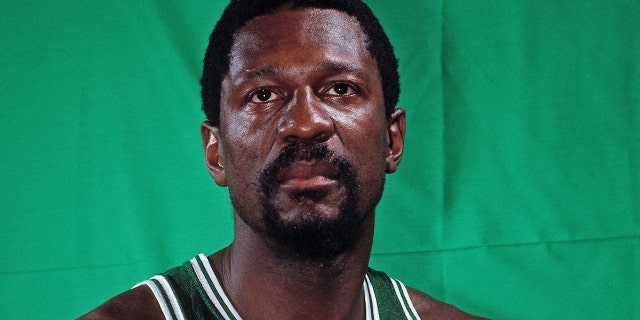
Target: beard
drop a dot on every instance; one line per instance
(311, 235)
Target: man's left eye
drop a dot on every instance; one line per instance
(341, 89)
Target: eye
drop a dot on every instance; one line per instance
(263, 95)
(341, 89)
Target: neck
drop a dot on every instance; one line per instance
(267, 283)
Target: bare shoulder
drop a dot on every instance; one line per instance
(430, 308)
(137, 303)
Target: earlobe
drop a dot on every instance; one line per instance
(396, 131)
(213, 154)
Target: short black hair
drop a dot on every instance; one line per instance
(239, 12)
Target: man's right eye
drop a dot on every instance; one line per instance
(263, 95)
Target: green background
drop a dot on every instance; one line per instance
(518, 196)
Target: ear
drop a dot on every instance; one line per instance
(397, 126)
(213, 154)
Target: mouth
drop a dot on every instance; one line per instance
(308, 175)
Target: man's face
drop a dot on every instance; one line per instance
(303, 142)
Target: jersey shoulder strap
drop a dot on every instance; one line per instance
(191, 291)
(389, 297)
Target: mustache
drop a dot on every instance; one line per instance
(319, 152)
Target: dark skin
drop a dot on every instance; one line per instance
(300, 75)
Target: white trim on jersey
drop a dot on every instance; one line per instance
(374, 301)
(162, 298)
(207, 288)
(411, 306)
(367, 301)
(218, 286)
(405, 300)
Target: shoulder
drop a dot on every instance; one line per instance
(137, 303)
(430, 308)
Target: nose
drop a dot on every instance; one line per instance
(306, 119)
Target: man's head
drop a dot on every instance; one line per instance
(305, 135)
(239, 12)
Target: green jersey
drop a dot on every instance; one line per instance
(193, 291)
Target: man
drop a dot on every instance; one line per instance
(302, 128)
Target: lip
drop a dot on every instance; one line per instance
(308, 176)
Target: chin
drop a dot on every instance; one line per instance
(319, 233)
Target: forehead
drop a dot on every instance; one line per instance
(298, 36)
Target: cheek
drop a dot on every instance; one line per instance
(365, 142)
(365, 133)
(245, 146)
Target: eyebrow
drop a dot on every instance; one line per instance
(263, 72)
(273, 70)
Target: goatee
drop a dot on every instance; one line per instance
(312, 236)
